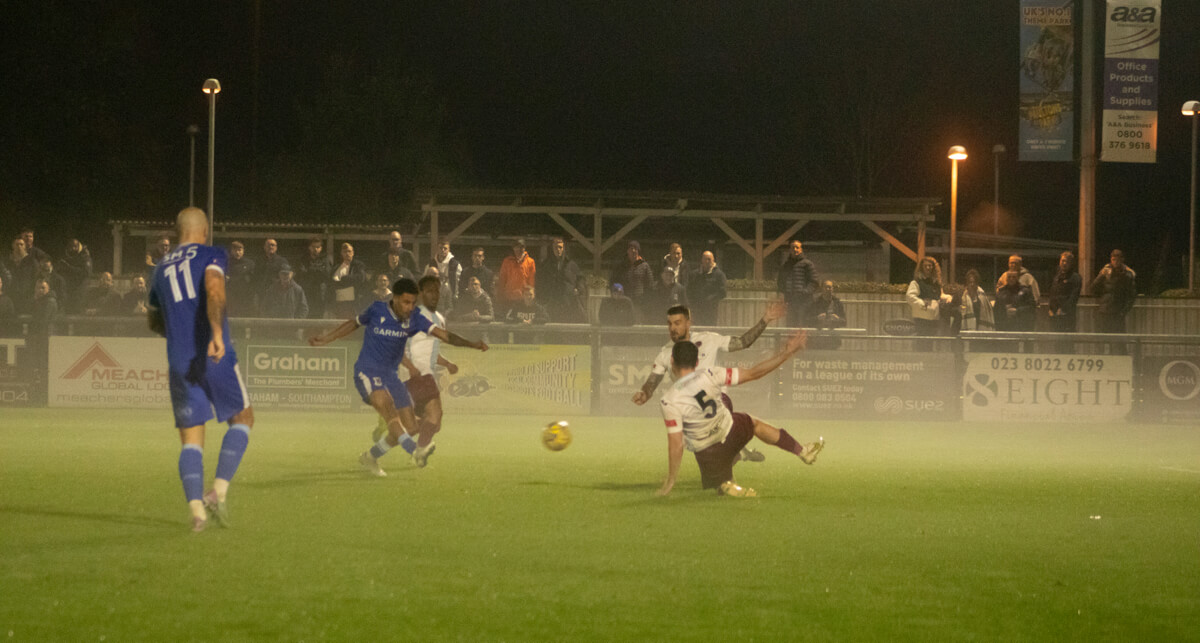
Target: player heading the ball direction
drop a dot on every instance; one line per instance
(694, 416)
(388, 326)
(187, 306)
(679, 327)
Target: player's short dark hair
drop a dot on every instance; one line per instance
(679, 310)
(426, 280)
(405, 286)
(685, 354)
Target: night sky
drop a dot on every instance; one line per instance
(357, 104)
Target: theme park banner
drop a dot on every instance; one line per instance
(1170, 389)
(623, 370)
(1047, 388)
(542, 380)
(20, 380)
(1047, 122)
(108, 372)
(1131, 37)
(835, 385)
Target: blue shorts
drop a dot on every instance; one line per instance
(205, 386)
(367, 381)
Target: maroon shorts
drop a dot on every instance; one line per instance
(716, 462)
(423, 390)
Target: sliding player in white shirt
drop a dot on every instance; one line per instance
(695, 417)
(679, 327)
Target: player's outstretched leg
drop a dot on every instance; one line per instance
(430, 424)
(398, 423)
(781, 438)
(381, 429)
(233, 447)
(191, 474)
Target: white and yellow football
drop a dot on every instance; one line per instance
(556, 436)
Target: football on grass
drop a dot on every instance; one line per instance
(556, 436)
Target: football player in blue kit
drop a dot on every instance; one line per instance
(187, 306)
(387, 327)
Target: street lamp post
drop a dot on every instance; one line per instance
(997, 150)
(1189, 109)
(212, 87)
(192, 130)
(956, 154)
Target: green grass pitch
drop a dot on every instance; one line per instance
(899, 532)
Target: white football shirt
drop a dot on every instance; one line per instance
(693, 405)
(423, 348)
(706, 343)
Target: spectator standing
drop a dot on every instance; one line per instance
(705, 290)
(396, 247)
(797, 282)
(137, 300)
(450, 271)
(154, 254)
(284, 299)
(1015, 309)
(825, 310)
(487, 279)
(348, 278)
(476, 304)
(381, 292)
(76, 268)
(617, 309)
(517, 271)
(1116, 286)
(528, 311)
(669, 292)
(637, 278)
(925, 297)
(44, 310)
(8, 313)
(38, 254)
(675, 262)
(1064, 295)
(101, 300)
(976, 305)
(559, 285)
(239, 282)
(266, 272)
(1016, 263)
(58, 285)
(21, 268)
(312, 273)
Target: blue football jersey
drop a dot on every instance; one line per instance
(385, 336)
(178, 292)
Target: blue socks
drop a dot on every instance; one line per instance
(233, 447)
(191, 471)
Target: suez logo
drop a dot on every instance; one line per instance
(294, 360)
(982, 389)
(1134, 14)
(105, 372)
(894, 405)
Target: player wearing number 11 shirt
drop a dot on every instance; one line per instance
(187, 306)
(695, 416)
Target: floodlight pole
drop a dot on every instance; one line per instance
(212, 87)
(192, 130)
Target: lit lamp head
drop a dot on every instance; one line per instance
(212, 86)
(1191, 107)
(957, 153)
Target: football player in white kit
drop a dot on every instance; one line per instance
(694, 417)
(421, 357)
(679, 327)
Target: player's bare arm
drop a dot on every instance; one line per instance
(775, 310)
(674, 457)
(647, 389)
(214, 286)
(447, 364)
(343, 329)
(412, 368)
(794, 345)
(456, 340)
(158, 325)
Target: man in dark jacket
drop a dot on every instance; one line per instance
(558, 281)
(76, 268)
(312, 273)
(487, 279)
(1064, 295)
(239, 282)
(797, 282)
(705, 290)
(1116, 286)
(635, 276)
(1015, 308)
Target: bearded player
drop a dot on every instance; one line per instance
(695, 418)
(388, 325)
(186, 305)
(679, 327)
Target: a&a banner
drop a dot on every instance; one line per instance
(1132, 31)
